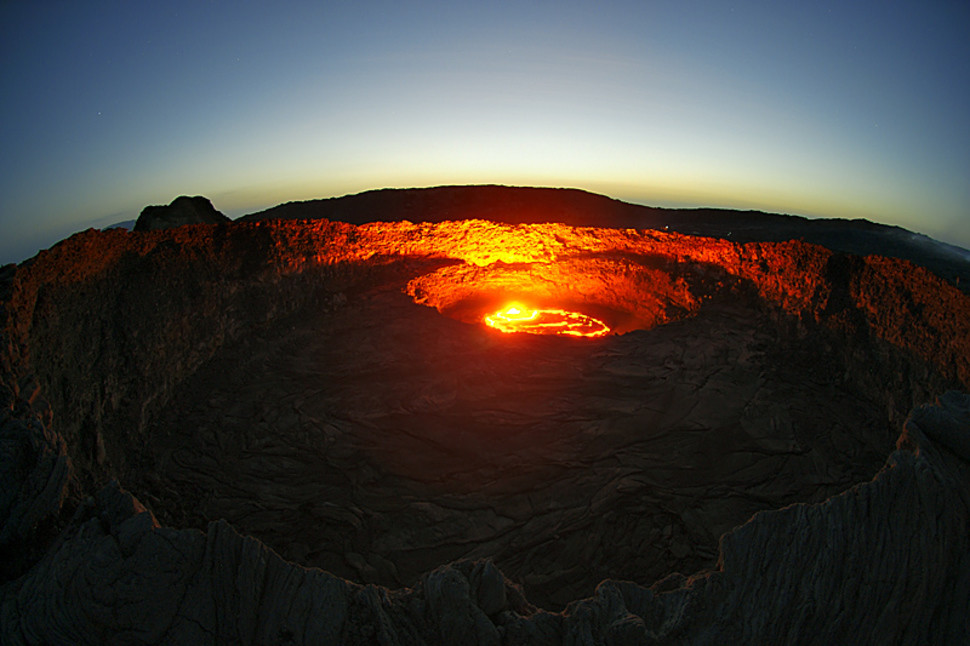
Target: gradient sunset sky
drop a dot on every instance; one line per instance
(834, 109)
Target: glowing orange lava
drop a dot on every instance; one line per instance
(519, 318)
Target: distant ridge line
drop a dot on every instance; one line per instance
(577, 207)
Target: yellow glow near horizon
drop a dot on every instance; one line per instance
(659, 104)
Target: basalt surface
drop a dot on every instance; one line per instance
(329, 390)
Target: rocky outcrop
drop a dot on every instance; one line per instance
(33, 484)
(886, 561)
(286, 360)
(183, 210)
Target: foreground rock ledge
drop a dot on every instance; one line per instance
(885, 562)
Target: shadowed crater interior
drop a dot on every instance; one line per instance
(375, 438)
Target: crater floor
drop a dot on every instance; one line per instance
(382, 439)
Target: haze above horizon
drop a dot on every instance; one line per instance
(823, 109)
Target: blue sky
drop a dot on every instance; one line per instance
(841, 109)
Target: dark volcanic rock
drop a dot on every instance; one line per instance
(182, 210)
(281, 379)
(565, 463)
(34, 473)
(885, 562)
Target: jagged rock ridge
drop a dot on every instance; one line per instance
(225, 285)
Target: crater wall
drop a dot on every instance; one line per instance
(99, 331)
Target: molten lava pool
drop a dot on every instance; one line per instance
(519, 318)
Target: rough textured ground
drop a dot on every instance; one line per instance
(383, 440)
(885, 562)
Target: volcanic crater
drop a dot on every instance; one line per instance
(377, 439)
(332, 390)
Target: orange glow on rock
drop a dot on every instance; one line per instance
(519, 318)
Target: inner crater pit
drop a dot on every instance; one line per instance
(582, 296)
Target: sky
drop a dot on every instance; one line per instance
(827, 109)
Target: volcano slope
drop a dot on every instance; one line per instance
(324, 444)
